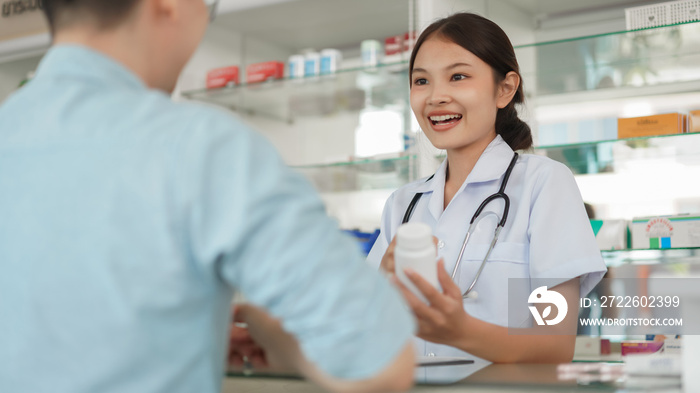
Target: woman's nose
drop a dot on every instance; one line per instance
(438, 96)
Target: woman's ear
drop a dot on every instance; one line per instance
(507, 89)
(165, 9)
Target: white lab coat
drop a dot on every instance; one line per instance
(547, 234)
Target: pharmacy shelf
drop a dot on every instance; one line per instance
(289, 98)
(635, 32)
(365, 174)
(686, 255)
(363, 162)
(618, 155)
(606, 155)
(653, 61)
(619, 93)
(623, 140)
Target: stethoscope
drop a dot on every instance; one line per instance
(470, 293)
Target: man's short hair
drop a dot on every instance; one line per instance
(104, 13)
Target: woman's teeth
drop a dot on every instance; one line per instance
(444, 118)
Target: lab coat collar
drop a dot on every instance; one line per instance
(491, 165)
(83, 62)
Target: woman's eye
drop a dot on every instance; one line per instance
(420, 81)
(459, 77)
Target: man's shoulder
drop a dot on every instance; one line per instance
(190, 113)
(188, 118)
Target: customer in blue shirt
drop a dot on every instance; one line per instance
(127, 220)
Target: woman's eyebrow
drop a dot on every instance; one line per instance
(449, 67)
(455, 65)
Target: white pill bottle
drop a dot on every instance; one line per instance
(415, 250)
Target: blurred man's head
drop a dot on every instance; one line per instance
(104, 14)
(155, 38)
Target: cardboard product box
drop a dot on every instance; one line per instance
(587, 346)
(669, 123)
(260, 72)
(220, 77)
(631, 346)
(409, 41)
(665, 232)
(610, 234)
(694, 121)
(393, 45)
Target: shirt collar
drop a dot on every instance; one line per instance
(491, 165)
(83, 62)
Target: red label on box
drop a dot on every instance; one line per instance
(221, 77)
(640, 347)
(393, 45)
(260, 72)
(409, 41)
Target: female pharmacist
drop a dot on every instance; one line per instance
(465, 83)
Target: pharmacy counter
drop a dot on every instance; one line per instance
(478, 378)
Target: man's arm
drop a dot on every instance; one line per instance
(282, 349)
(262, 229)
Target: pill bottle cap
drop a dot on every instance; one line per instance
(414, 236)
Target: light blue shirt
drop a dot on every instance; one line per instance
(547, 238)
(127, 220)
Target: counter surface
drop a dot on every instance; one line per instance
(475, 377)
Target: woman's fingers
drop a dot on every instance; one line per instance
(419, 307)
(388, 263)
(435, 298)
(448, 286)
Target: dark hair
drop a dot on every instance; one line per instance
(490, 43)
(106, 13)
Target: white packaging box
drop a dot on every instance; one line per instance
(587, 346)
(665, 232)
(610, 234)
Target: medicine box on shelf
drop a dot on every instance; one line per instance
(694, 121)
(669, 123)
(221, 77)
(665, 232)
(260, 72)
(610, 234)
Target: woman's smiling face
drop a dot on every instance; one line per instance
(454, 96)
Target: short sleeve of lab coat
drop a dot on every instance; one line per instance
(562, 243)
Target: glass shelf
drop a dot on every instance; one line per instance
(653, 57)
(369, 174)
(601, 35)
(288, 98)
(685, 255)
(359, 162)
(613, 155)
(626, 155)
(593, 143)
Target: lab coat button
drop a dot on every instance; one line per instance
(441, 244)
(432, 355)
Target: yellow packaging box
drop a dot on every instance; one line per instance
(669, 123)
(694, 121)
